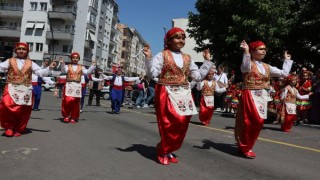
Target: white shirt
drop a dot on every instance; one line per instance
(274, 71)
(65, 68)
(118, 79)
(201, 84)
(299, 96)
(154, 66)
(36, 69)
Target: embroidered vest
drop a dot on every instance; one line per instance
(207, 90)
(74, 76)
(21, 77)
(254, 79)
(291, 97)
(171, 74)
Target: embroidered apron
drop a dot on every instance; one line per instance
(20, 94)
(73, 89)
(209, 100)
(181, 99)
(260, 99)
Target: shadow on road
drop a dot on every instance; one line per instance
(272, 128)
(231, 149)
(196, 123)
(148, 152)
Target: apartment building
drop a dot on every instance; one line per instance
(56, 28)
(132, 59)
(190, 42)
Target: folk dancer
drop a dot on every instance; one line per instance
(16, 104)
(173, 100)
(70, 108)
(289, 97)
(304, 105)
(117, 81)
(207, 88)
(254, 97)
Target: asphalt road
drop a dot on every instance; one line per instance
(107, 146)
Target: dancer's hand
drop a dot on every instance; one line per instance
(244, 47)
(286, 56)
(206, 54)
(147, 51)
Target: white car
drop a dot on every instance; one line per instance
(49, 83)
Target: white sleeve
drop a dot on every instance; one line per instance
(106, 77)
(302, 97)
(96, 79)
(37, 70)
(131, 78)
(4, 66)
(284, 94)
(154, 66)
(246, 63)
(284, 72)
(198, 74)
(89, 70)
(200, 85)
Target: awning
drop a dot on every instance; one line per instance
(30, 25)
(39, 25)
(93, 37)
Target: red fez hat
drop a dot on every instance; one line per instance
(75, 54)
(23, 45)
(290, 78)
(172, 32)
(255, 44)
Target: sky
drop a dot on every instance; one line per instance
(152, 17)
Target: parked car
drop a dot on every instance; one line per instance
(105, 92)
(49, 83)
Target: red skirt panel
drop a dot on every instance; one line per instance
(248, 122)
(70, 106)
(288, 122)
(205, 113)
(13, 116)
(172, 126)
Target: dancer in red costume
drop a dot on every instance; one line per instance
(173, 100)
(254, 97)
(304, 105)
(72, 89)
(289, 98)
(207, 88)
(16, 104)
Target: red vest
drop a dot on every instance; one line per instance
(171, 74)
(21, 77)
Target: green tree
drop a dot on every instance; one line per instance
(304, 38)
(225, 23)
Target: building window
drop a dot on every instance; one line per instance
(66, 49)
(43, 6)
(39, 47)
(33, 6)
(30, 24)
(30, 44)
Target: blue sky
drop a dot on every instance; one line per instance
(150, 16)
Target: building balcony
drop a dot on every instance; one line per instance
(62, 13)
(60, 34)
(11, 11)
(10, 31)
(89, 44)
